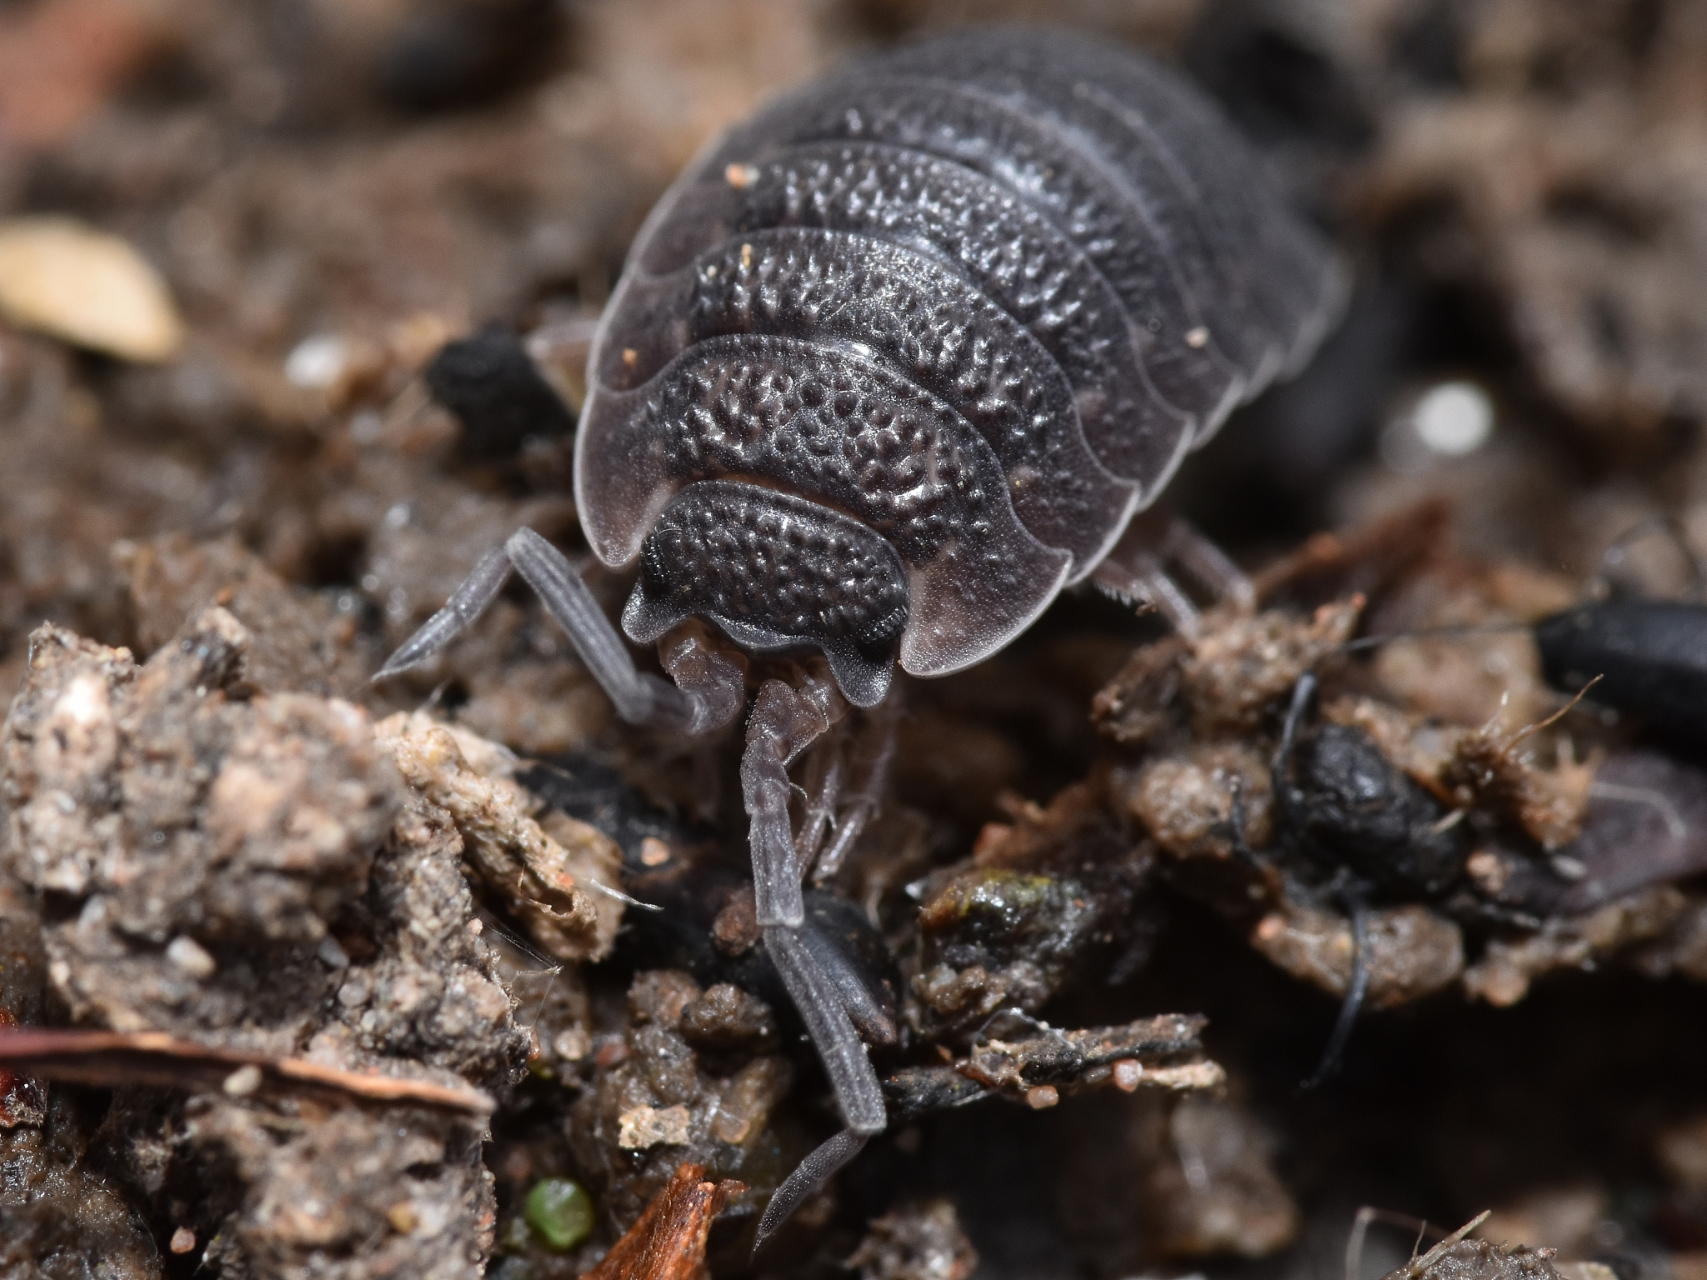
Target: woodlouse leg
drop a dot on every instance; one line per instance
(784, 723)
(862, 1005)
(1140, 577)
(1210, 565)
(820, 1000)
(823, 789)
(822, 984)
(639, 697)
(808, 1176)
(851, 820)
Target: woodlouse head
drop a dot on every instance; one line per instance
(775, 571)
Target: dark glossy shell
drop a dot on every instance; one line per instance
(979, 296)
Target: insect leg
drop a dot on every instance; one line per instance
(1355, 992)
(465, 605)
(809, 1175)
(875, 1024)
(639, 697)
(823, 787)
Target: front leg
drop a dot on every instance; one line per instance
(784, 723)
(712, 699)
(859, 1096)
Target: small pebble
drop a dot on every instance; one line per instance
(1042, 1096)
(331, 954)
(645, 1127)
(183, 1240)
(62, 277)
(317, 362)
(572, 1044)
(188, 955)
(243, 1081)
(560, 1212)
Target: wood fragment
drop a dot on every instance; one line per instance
(1164, 1053)
(667, 1241)
(113, 1058)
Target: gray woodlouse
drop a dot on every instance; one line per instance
(894, 362)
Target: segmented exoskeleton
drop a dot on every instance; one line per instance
(895, 361)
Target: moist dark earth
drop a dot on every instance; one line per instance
(1117, 918)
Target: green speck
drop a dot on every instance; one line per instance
(560, 1213)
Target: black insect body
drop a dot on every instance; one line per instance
(488, 381)
(1373, 831)
(1350, 808)
(1650, 657)
(890, 365)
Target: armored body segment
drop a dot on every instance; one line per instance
(919, 319)
(979, 296)
(1124, 212)
(837, 428)
(1177, 151)
(1129, 216)
(1002, 246)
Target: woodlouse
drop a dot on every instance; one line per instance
(894, 362)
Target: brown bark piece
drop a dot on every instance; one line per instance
(667, 1241)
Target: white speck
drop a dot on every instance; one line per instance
(366, 427)
(244, 1081)
(370, 582)
(431, 1218)
(188, 955)
(317, 362)
(1196, 338)
(398, 516)
(331, 954)
(572, 1044)
(1454, 419)
(85, 701)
